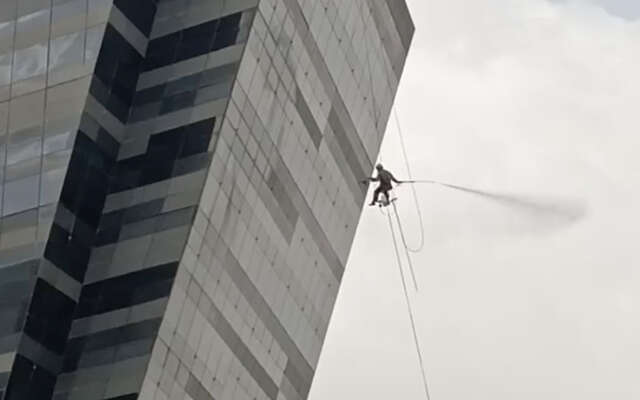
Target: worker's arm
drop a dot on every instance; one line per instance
(393, 178)
(371, 179)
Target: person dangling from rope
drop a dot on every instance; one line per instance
(385, 178)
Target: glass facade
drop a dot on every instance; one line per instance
(179, 189)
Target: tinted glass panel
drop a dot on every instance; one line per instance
(48, 321)
(193, 41)
(127, 290)
(29, 381)
(139, 12)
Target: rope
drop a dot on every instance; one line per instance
(406, 248)
(409, 308)
(413, 188)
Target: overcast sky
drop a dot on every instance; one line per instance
(529, 97)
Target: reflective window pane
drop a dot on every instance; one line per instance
(24, 151)
(30, 62)
(94, 40)
(68, 49)
(6, 35)
(21, 195)
(33, 22)
(69, 9)
(51, 185)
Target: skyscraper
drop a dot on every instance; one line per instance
(180, 189)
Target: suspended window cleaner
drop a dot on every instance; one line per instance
(385, 178)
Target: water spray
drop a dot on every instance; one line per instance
(572, 212)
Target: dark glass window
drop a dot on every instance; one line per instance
(197, 138)
(118, 67)
(193, 41)
(162, 51)
(196, 40)
(85, 186)
(139, 12)
(126, 290)
(49, 317)
(116, 337)
(164, 148)
(68, 252)
(227, 31)
(29, 381)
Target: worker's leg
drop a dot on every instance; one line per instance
(385, 192)
(376, 193)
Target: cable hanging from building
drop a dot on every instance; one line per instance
(411, 182)
(409, 308)
(404, 244)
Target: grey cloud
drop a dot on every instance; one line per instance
(627, 9)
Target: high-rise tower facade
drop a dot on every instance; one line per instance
(179, 189)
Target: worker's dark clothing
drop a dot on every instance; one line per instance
(385, 178)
